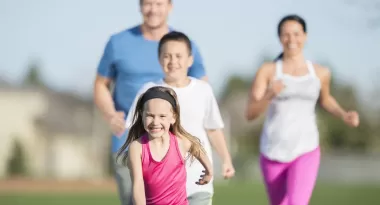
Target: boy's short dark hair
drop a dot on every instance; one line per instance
(174, 36)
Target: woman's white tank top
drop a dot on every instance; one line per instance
(290, 128)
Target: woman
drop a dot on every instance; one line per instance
(291, 87)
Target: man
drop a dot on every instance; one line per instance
(130, 60)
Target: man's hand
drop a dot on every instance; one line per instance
(117, 123)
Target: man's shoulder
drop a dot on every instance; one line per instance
(126, 33)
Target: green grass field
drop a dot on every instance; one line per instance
(231, 194)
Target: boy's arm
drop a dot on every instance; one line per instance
(214, 125)
(217, 140)
(134, 161)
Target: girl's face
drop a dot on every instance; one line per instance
(157, 117)
(175, 60)
(292, 37)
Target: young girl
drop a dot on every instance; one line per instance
(157, 147)
(200, 113)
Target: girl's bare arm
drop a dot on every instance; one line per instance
(134, 162)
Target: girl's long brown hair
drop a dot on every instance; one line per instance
(137, 128)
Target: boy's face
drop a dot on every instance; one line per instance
(175, 60)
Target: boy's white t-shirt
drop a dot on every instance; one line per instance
(199, 112)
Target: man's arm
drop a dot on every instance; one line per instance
(105, 74)
(197, 70)
(102, 96)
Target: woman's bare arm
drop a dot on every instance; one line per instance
(326, 100)
(259, 98)
(329, 103)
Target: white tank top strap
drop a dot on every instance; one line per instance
(311, 69)
(278, 69)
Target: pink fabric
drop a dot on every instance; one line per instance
(291, 183)
(165, 181)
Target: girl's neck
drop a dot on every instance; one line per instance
(178, 83)
(159, 140)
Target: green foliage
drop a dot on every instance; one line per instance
(235, 83)
(34, 76)
(17, 163)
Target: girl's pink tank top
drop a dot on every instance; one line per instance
(165, 181)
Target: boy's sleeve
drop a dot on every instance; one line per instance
(197, 70)
(106, 65)
(213, 118)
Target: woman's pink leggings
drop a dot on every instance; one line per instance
(291, 183)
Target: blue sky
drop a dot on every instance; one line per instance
(68, 36)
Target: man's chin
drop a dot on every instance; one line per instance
(154, 25)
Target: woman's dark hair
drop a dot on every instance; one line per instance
(292, 17)
(174, 36)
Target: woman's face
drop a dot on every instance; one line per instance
(292, 37)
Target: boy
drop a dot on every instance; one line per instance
(200, 114)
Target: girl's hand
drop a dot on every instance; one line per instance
(205, 178)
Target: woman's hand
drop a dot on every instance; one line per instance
(274, 88)
(351, 118)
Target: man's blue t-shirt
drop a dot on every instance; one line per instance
(131, 61)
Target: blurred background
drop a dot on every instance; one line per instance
(54, 146)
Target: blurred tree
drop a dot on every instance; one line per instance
(33, 78)
(17, 163)
(237, 82)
